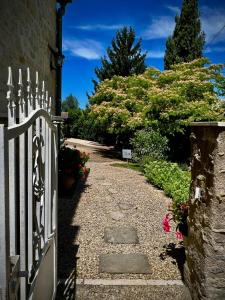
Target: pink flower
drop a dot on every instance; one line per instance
(166, 223)
(179, 235)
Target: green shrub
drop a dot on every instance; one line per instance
(172, 179)
(149, 143)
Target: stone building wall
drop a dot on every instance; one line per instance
(27, 28)
(205, 245)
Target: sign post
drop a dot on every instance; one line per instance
(126, 153)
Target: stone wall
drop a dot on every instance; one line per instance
(27, 28)
(205, 245)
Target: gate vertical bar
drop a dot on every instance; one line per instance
(22, 187)
(23, 213)
(35, 204)
(4, 220)
(30, 197)
(42, 211)
(50, 205)
(12, 166)
(23, 198)
(30, 209)
(51, 159)
(55, 202)
(46, 199)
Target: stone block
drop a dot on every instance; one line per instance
(116, 215)
(124, 263)
(121, 235)
(125, 205)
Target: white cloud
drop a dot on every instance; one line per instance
(160, 28)
(87, 48)
(213, 20)
(155, 54)
(99, 27)
(174, 9)
(214, 49)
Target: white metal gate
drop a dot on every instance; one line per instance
(28, 194)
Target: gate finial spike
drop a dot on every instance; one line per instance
(46, 100)
(28, 82)
(28, 75)
(50, 105)
(11, 100)
(21, 98)
(43, 95)
(43, 86)
(9, 82)
(20, 83)
(37, 95)
(37, 80)
(29, 93)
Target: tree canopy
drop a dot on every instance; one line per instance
(167, 100)
(187, 41)
(125, 58)
(70, 103)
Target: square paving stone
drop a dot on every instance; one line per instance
(121, 235)
(124, 263)
(125, 205)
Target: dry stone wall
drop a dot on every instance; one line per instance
(205, 245)
(27, 29)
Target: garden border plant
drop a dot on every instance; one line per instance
(176, 184)
(150, 150)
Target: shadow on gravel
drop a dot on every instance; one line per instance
(67, 249)
(111, 154)
(177, 252)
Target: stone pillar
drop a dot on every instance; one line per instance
(204, 270)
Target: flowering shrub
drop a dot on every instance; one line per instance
(72, 166)
(168, 100)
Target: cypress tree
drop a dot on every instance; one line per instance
(187, 41)
(125, 58)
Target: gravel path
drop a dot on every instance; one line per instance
(101, 204)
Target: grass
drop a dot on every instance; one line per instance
(132, 166)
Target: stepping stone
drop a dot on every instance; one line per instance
(124, 263)
(100, 178)
(125, 205)
(116, 215)
(121, 235)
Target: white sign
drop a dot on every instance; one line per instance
(126, 153)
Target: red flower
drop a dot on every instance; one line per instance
(179, 235)
(166, 224)
(86, 170)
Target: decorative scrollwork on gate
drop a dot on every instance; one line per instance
(38, 171)
(38, 193)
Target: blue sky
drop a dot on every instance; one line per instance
(89, 27)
